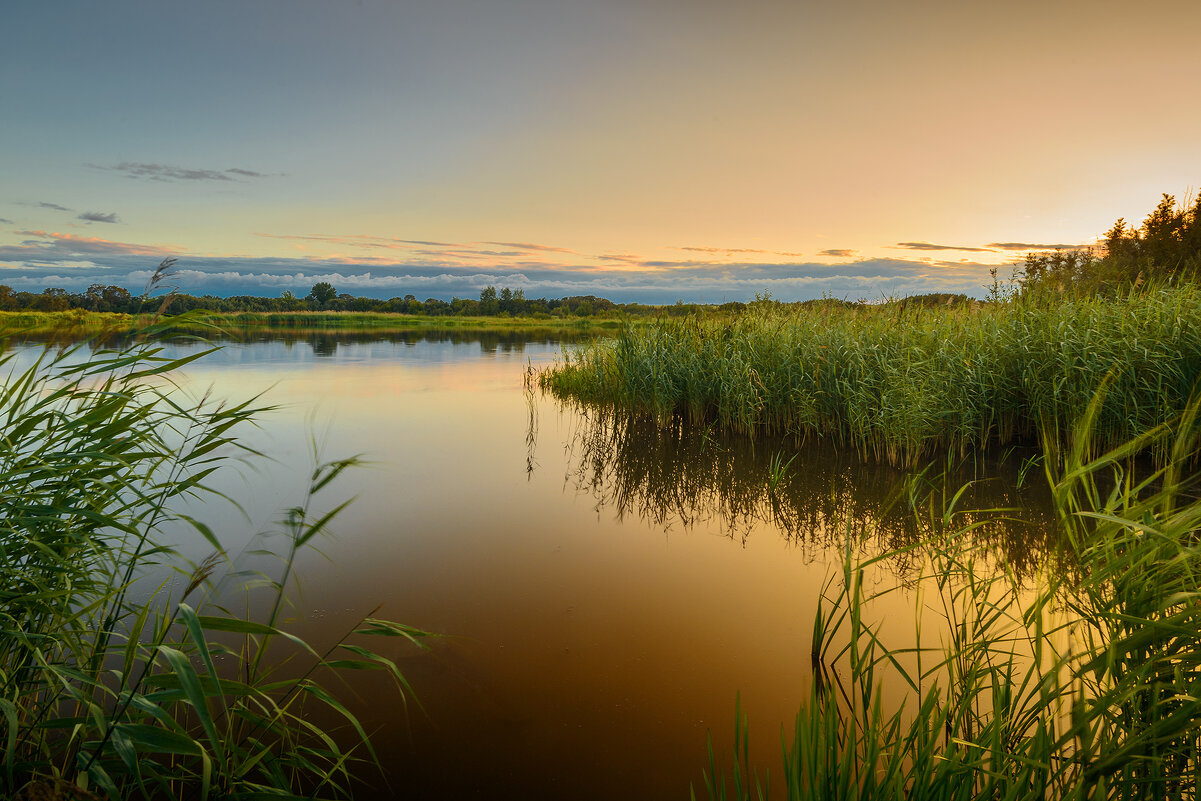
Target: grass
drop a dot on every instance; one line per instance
(78, 324)
(116, 680)
(1087, 686)
(903, 382)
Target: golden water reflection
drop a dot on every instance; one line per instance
(602, 587)
(675, 472)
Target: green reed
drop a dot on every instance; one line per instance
(899, 382)
(1087, 686)
(121, 674)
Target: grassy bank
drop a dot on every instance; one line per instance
(902, 382)
(1087, 686)
(122, 675)
(251, 324)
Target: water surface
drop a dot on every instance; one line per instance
(605, 586)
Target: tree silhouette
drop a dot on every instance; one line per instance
(322, 293)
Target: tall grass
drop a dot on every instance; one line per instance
(1088, 686)
(116, 680)
(901, 382)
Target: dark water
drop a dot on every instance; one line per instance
(605, 586)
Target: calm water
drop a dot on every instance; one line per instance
(606, 587)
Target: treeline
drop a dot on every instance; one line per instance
(1164, 249)
(503, 303)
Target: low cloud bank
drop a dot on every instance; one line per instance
(74, 263)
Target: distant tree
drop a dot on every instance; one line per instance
(117, 298)
(322, 293)
(1166, 247)
(464, 307)
(8, 298)
(53, 299)
(488, 301)
(289, 302)
(365, 304)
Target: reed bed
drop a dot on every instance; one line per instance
(122, 675)
(1086, 687)
(900, 383)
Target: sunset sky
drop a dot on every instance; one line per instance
(648, 150)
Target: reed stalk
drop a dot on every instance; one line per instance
(121, 674)
(1086, 686)
(900, 383)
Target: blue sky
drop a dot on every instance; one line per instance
(653, 150)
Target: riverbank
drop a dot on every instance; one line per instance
(86, 322)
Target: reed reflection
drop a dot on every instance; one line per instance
(672, 471)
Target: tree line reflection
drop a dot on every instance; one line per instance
(325, 342)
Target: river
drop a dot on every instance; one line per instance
(602, 589)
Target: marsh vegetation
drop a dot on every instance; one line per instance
(122, 673)
(1016, 477)
(1084, 685)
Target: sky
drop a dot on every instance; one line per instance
(640, 150)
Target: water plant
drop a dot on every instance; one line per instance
(899, 383)
(122, 674)
(1082, 687)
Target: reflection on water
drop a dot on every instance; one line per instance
(816, 496)
(594, 632)
(325, 342)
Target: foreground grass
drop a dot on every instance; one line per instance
(121, 674)
(1086, 687)
(901, 383)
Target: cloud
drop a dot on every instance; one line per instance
(46, 258)
(732, 251)
(931, 246)
(53, 206)
(44, 244)
(167, 172)
(1029, 246)
(362, 240)
(624, 258)
(530, 246)
(838, 252)
(6, 221)
(96, 216)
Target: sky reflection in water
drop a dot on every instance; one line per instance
(601, 610)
